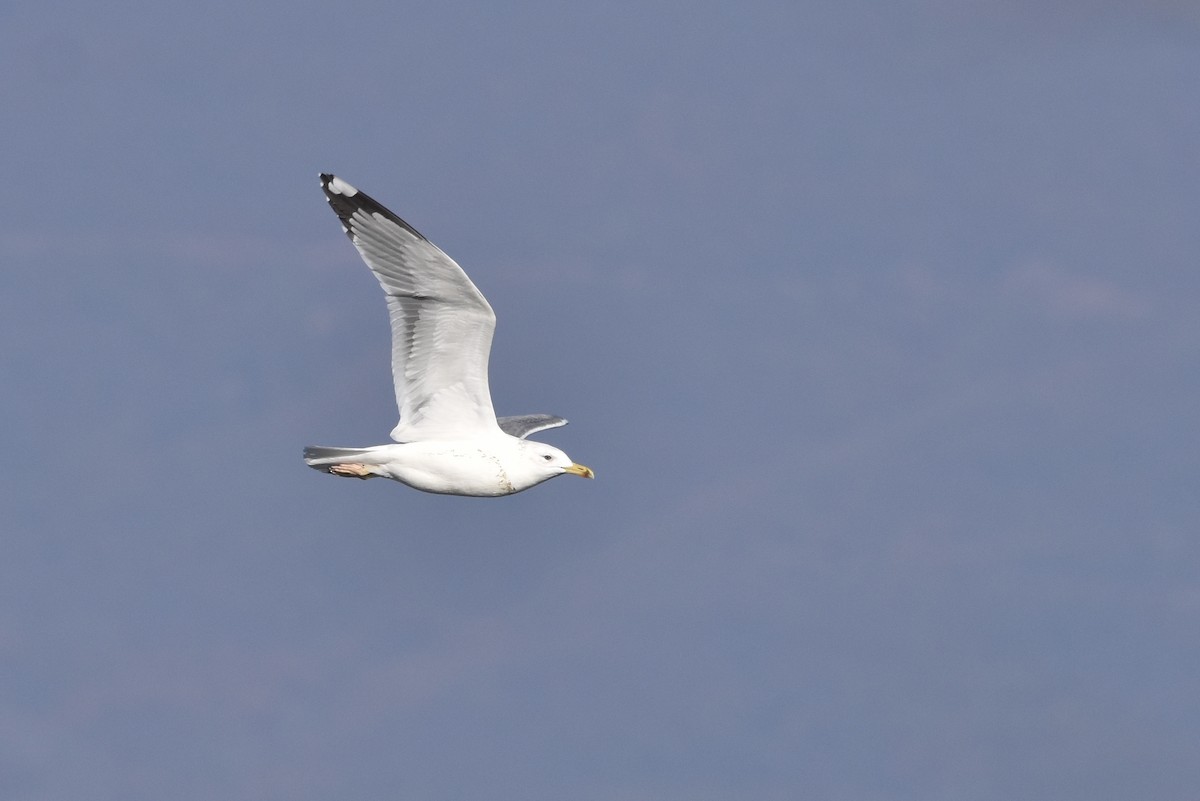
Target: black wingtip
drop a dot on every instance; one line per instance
(346, 199)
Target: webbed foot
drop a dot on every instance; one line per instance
(351, 470)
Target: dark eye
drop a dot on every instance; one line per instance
(547, 456)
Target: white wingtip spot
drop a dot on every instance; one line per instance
(339, 187)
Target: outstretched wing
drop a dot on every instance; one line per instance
(522, 425)
(441, 324)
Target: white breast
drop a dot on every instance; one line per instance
(451, 468)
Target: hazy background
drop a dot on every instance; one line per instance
(878, 321)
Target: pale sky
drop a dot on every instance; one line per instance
(877, 321)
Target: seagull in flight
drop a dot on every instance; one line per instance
(448, 440)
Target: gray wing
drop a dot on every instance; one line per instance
(523, 425)
(441, 324)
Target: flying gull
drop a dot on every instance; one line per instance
(449, 439)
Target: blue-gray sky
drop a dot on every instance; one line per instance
(877, 321)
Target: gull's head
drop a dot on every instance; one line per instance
(545, 461)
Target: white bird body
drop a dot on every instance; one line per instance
(498, 465)
(449, 439)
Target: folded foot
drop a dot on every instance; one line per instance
(351, 470)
